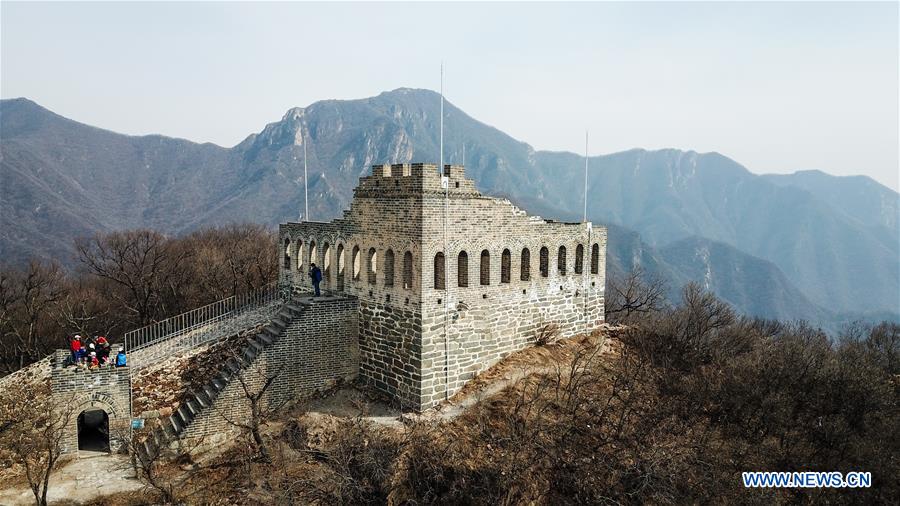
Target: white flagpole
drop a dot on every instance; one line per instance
(585, 174)
(446, 182)
(305, 178)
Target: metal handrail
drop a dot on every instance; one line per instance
(195, 319)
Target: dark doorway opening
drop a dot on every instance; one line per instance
(93, 430)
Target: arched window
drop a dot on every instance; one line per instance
(485, 267)
(287, 253)
(579, 259)
(595, 259)
(504, 266)
(340, 260)
(525, 265)
(407, 271)
(326, 262)
(313, 253)
(439, 271)
(561, 261)
(354, 257)
(389, 267)
(462, 269)
(372, 266)
(545, 262)
(300, 251)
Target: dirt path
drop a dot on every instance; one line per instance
(349, 402)
(80, 480)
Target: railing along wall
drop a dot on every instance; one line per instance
(146, 345)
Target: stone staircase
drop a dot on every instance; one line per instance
(197, 401)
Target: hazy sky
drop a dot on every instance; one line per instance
(777, 86)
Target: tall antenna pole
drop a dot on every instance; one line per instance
(445, 181)
(588, 250)
(305, 178)
(584, 218)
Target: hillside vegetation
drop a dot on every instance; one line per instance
(126, 280)
(668, 409)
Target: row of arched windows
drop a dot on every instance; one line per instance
(356, 262)
(462, 265)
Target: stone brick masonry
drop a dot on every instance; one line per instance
(108, 389)
(449, 280)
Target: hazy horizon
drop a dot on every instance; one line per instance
(777, 87)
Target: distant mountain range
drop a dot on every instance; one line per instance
(801, 246)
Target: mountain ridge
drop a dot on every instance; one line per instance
(177, 185)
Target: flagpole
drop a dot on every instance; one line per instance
(584, 218)
(445, 180)
(305, 178)
(586, 255)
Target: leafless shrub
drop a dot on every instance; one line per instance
(634, 294)
(546, 334)
(359, 460)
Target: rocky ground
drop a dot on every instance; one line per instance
(81, 480)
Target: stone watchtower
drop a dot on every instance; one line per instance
(449, 281)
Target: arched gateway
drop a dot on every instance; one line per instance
(99, 403)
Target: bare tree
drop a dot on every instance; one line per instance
(633, 294)
(34, 433)
(160, 472)
(83, 309)
(261, 410)
(233, 259)
(28, 298)
(148, 268)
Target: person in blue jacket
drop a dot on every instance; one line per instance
(316, 275)
(121, 361)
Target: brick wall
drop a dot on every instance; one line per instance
(108, 389)
(314, 351)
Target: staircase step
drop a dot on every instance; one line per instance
(169, 429)
(185, 414)
(256, 344)
(264, 338)
(193, 406)
(200, 398)
(233, 365)
(217, 385)
(225, 376)
(176, 423)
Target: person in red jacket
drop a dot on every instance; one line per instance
(74, 346)
(103, 349)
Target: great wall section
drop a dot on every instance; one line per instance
(402, 312)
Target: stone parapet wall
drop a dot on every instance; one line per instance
(202, 335)
(479, 338)
(82, 390)
(314, 351)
